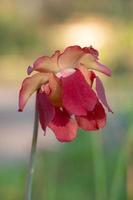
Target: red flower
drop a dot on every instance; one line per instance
(66, 99)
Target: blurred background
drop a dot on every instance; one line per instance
(98, 165)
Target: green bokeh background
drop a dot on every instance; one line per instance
(97, 165)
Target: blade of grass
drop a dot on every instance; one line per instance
(118, 188)
(119, 180)
(99, 167)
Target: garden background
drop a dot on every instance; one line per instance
(97, 165)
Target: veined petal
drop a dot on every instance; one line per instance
(29, 86)
(78, 97)
(94, 120)
(101, 93)
(55, 90)
(65, 129)
(45, 109)
(91, 62)
(70, 57)
(88, 75)
(46, 63)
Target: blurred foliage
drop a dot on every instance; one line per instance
(15, 38)
(94, 165)
(29, 32)
(85, 168)
(12, 179)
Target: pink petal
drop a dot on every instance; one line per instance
(91, 62)
(94, 120)
(65, 129)
(91, 51)
(101, 93)
(45, 109)
(70, 56)
(47, 64)
(77, 95)
(29, 86)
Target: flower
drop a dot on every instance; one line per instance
(66, 99)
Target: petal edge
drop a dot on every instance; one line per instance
(29, 86)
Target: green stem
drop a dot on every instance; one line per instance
(28, 191)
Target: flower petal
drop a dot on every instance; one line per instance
(94, 120)
(29, 70)
(101, 93)
(91, 51)
(45, 109)
(55, 88)
(30, 85)
(78, 97)
(65, 129)
(91, 62)
(46, 63)
(70, 56)
(88, 75)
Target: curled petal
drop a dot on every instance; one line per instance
(29, 86)
(70, 57)
(91, 51)
(78, 97)
(65, 129)
(88, 75)
(94, 120)
(101, 93)
(46, 63)
(91, 62)
(55, 90)
(45, 109)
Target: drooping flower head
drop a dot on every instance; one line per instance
(66, 97)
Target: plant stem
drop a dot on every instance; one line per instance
(28, 191)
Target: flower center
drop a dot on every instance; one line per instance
(66, 72)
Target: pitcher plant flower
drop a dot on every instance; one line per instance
(69, 94)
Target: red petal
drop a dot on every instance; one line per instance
(46, 63)
(88, 75)
(64, 128)
(29, 86)
(70, 56)
(94, 120)
(101, 93)
(45, 109)
(77, 95)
